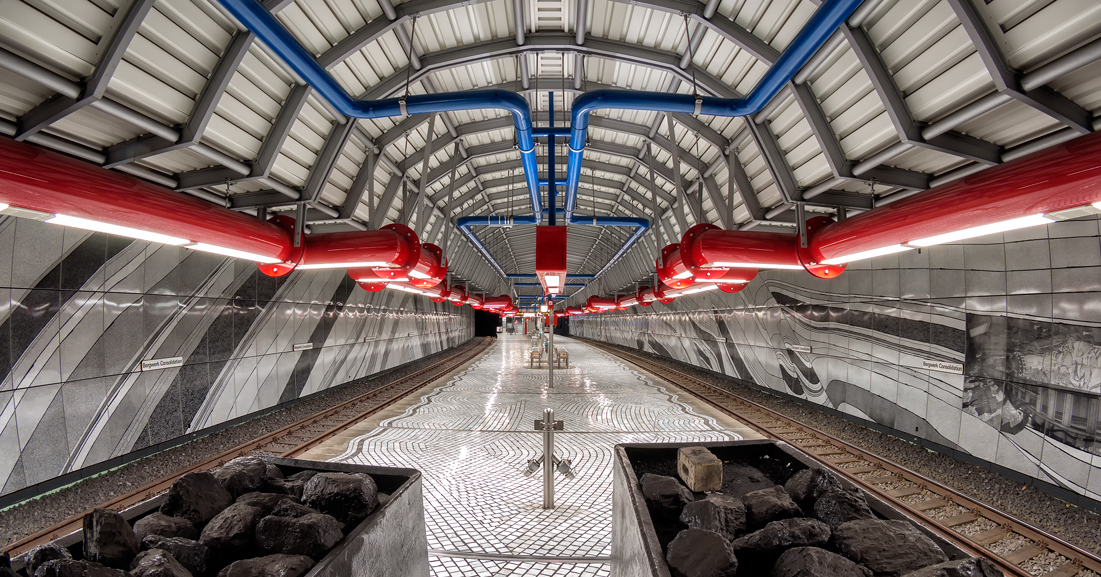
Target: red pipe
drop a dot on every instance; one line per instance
(672, 269)
(709, 251)
(431, 267)
(36, 179)
(575, 311)
(444, 293)
(500, 302)
(1058, 178)
(659, 293)
(390, 251)
(458, 295)
(603, 303)
(475, 302)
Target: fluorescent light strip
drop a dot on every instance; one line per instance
(405, 288)
(381, 280)
(126, 231)
(1005, 225)
(868, 254)
(342, 265)
(684, 274)
(755, 265)
(215, 249)
(4, 206)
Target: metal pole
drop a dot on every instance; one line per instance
(548, 458)
(550, 352)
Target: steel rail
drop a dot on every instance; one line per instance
(1078, 558)
(425, 375)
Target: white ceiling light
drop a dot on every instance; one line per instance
(552, 280)
(755, 265)
(407, 289)
(342, 265)
(114, 229)
(868, 254)
(211, 248)
(1005, 225)
(382, 280)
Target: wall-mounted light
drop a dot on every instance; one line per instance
(96, 226)
(318, 266)
(1003, 226)
(755, 265)
(214, 249)
(868, 254)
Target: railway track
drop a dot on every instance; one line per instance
(289, 441)
(1015, 546)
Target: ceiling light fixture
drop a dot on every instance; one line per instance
(215, 249)
(115, 229)
(1003, 226)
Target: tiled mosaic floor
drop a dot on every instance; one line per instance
(472, 437)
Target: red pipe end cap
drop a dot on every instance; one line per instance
(688, 239)
(825, 271)
(284, 268)
(372, 287)
(411, 257)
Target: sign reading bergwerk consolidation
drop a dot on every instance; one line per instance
(302, 347)
(942, 366)
(166, 363)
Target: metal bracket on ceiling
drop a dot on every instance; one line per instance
(801, 222)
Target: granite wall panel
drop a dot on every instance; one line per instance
(989, 349)
(80, 311)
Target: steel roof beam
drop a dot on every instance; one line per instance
(1007, 80)
(192, 131)
(908, 130)
(112, 45)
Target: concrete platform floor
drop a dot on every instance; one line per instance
(473, 434)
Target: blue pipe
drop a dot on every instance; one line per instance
(532, 275)
(535, 284)
(261, 22)
(552, 130)
(818, 29)
(552, 187)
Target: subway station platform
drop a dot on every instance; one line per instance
(472, 434)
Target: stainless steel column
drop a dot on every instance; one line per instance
(548, 458)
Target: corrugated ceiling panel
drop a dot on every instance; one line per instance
(1082, 86)
(1058, 27)
(43, 38)
(1010, 124)
(93, 128)
(18, 95)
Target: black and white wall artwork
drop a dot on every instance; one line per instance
(110, 345)
(988, 348)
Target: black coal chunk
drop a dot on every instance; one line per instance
(230, 535)
(348, 497)
(197, 497)
(243, 475)
(889, 548)
(806, 486)
(266, 502)
(270, 566)
(165, 526)
(157, 563)
(310, 535)
(815, 562)
(109, 539)
(716, 512)
(291, 509)
(40, 555)
(700, 553)
(665, 492)
(970, 567)
(836, 508)
(779, 535)
(193, 555)
(739, 479)
(767, 505)
(74, 568)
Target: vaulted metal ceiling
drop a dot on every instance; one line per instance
(909, 95)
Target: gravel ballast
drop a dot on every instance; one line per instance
(29, 517)
(1042, 510)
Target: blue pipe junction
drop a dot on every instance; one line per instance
(832, 13)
